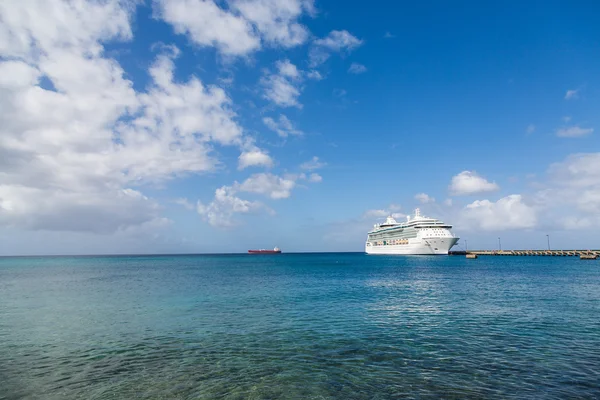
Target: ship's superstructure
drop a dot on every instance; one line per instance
(418, 235)
(276, 250)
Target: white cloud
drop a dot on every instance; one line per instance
(271, 185)
(356, 68)
(68, 210)
(530, 129)
(287, 69)
(339, 40)
(370, 214)
(448, 202)
(388, 35)
(424, 198)
(394, 207)
(254, 157)
(18, 74)
(36, 28)
(283, 126)
(469, 183)
(314, 75)
(220, 212)
(566, 119)
(339, 93)
(577, 171)
(240, 28)
(70, 157)
(381, 213)
(572, 94)
(313, 164)
(336, 41)
(206, 24)
(569, 198)
(184, 203)
(315, 178)
(276, 20)
(573, 131)
(509, 212)
(283, 87)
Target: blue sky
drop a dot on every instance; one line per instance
(201, 126)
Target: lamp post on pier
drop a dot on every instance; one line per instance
(499, 245)
(548, 237)
(466, 248)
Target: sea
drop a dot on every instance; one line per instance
(299, 326)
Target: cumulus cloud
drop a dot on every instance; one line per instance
(287, 69)
(254, 157)
(73, 149)
(575, 182)
(276, 20)
(569, 198)
(469, 183)
(509, 212)
(579, 170)
(335, 41)
(242, 27)
(206, 24)
(356, 68)
(283, 87)
(315, 178)
(221, 211)
(573, 131)
(572, 94)
(273, 186)
(283, 127)
(313, 164)
(424, 198)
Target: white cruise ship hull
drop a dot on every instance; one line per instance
(429, 246)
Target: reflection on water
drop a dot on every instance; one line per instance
(328, 326)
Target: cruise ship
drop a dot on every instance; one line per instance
(418, 235)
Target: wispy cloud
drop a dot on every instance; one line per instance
(313, 164)
(424, 198)
(530, 129)
(572, 94)
(336, 41)
(356, 68)
(389, 35)
(283, 127)
(573, 131)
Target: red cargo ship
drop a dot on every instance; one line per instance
(263, 251)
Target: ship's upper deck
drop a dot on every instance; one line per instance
(418, 221)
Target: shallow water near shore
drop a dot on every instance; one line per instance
(309, 326)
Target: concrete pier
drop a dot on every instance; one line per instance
(588, 254)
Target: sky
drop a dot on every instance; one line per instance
(209, 126)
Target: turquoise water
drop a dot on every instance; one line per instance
(306, 326)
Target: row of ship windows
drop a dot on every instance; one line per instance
(390, 242)
(390, 239)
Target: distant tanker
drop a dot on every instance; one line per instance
(263, 251)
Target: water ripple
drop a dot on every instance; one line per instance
(332, 326)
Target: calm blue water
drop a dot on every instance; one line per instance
(311, 326)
